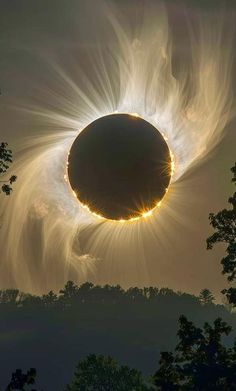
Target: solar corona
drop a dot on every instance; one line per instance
(119, 167)
(116, 116)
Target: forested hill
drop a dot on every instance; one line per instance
(52, 332)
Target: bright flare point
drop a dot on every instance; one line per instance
(119, 167)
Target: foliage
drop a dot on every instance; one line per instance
(5, 161)
(224, 224)
(9, 296)
(88, 293)
(20, 381)
(133, 325)
(206, 297)
(101, 373)
(200, 362)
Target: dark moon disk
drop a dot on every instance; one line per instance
(119, 166)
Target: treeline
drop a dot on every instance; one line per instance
(89, 293)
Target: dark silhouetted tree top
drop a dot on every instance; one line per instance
(224, 224)
(9, 296)
(102, 373)
(206, 297)
(200, 362)
(49, 300)
(20, 381)
(5, 161)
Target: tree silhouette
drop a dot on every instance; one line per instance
(101, 373)
(9, 296)
(224, 224)
(68, 294)
(20, 381)
(5, 161)
(49, 300)
(200, 362)
(206, 297)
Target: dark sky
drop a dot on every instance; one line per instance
(32, 32)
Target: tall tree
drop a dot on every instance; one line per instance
(50, 299)
(101, 373)
(200, 362)
(224, 224)
(68, 294)
(5, 161)
(206, 297)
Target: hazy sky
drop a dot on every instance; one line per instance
(33, 32)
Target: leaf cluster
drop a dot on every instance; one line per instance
(5, 161)
(200, 361)
(103, 373)
(224, 225)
